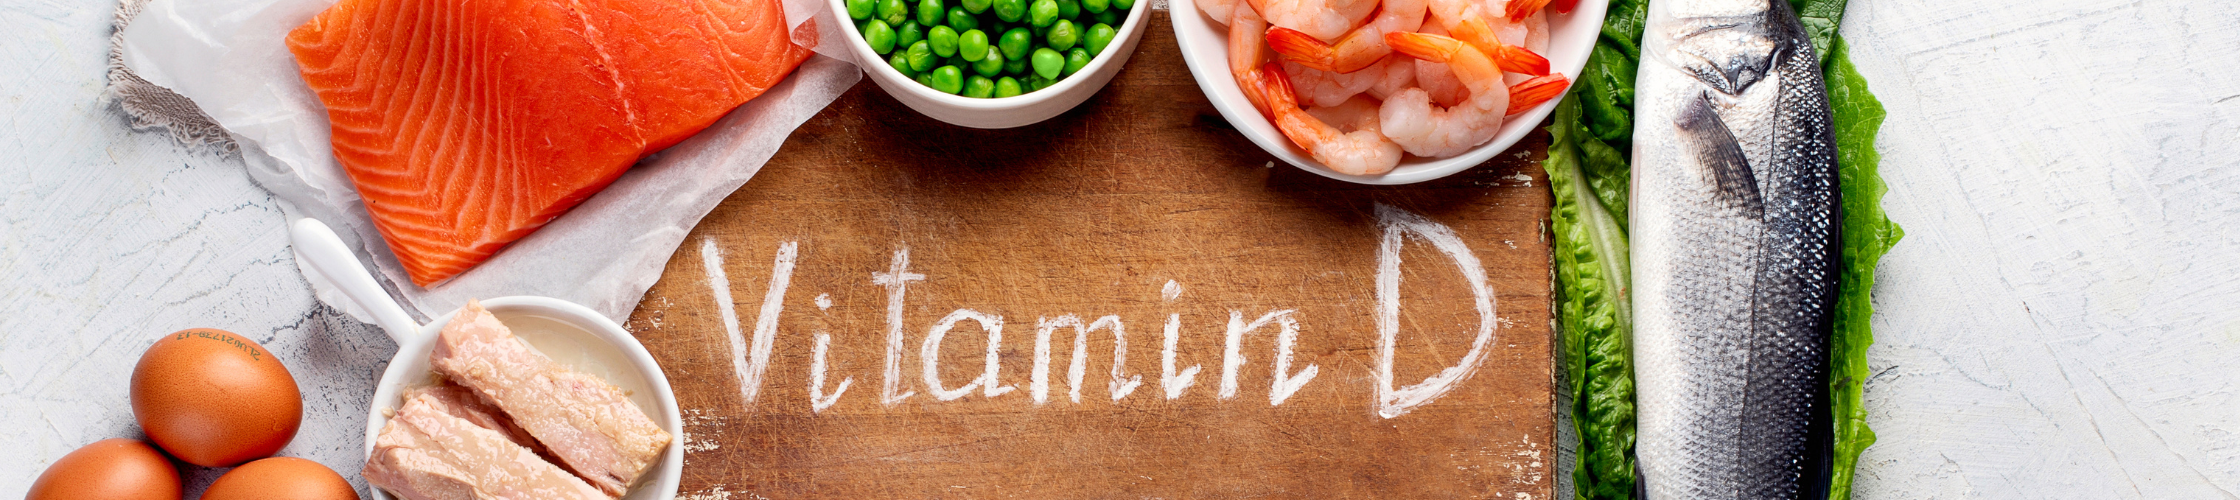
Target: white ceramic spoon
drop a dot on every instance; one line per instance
(571, 334)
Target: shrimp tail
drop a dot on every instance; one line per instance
(1427, 47)
(1510, 58)
(1299, 47)
(1358, 50)
(1520, 9)
(1526, 94)
(1516, 59)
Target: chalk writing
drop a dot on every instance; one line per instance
(1397, 224)
(751, 358)
(896, 279)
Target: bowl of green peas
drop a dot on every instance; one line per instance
(992, 63)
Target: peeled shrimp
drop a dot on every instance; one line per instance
(1359, 48)
(1364, 151)
(1247, 51)
(1357, 113)
(1440, 82)
(1322, 19)
(1218, 10)
(1423, 129)
(1436, 78)
(1323, 88)
(1394, 74)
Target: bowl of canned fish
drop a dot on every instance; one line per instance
(1385, 91)
(992, 63)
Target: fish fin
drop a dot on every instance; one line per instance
(1715, 148)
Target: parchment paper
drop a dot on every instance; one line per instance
(229, 58)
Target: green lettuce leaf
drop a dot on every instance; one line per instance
(1867, 234)
(1595, 315)
(1820, 19)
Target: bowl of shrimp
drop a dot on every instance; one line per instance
(1385, 91)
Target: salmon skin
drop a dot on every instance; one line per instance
(468, 124)
(1735, 251)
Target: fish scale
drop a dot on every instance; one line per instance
(1735, 252)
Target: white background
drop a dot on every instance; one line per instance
(2061, 321)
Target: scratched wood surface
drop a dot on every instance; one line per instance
(1091, 215)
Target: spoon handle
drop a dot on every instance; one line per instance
(318, 245)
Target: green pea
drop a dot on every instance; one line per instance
(989, 66)
(979, 86)
(894, 12)
(1109, 17)
(925, 79)
(1069, 9)
(962, 20)
(1015, 66)
(863, 26)
(1011, 10)
(930, 12)
(976, 6)
(944, 40)
(879, 36)
(1076, 59)
(921, 56)
(1015, 44)
(1042, 13)
(948, 79)
(973, 45)
(1037, 83)
(1047, 63)
(1096, 6)
(901, 63)
(909, 34)
(1008, 87)
(1099, 36)
(861, 9)
(1124, 4)
(1063, 35)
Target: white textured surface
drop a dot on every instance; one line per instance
(2062, 320)
(2063, 317)
(111, 238)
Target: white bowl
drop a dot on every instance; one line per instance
(569, 333)
(1205, 47)
(576, 337)
(1006, 112)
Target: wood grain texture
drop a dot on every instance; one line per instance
(1090, 214)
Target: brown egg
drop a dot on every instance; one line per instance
(110, 469)
(214, 399)
(280, 478)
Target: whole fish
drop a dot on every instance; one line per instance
(1735, 229)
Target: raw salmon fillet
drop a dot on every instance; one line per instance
(467, 124)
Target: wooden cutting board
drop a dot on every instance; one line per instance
(1334, 330)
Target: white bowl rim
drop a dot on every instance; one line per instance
(1213, 75)
(393, 378)
(871, 61)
